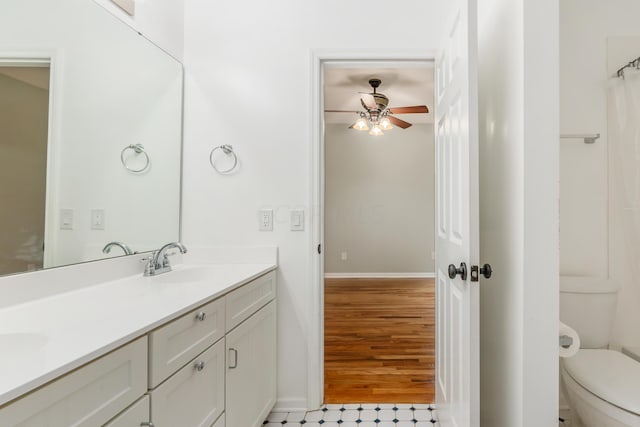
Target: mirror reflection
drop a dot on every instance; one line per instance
(90, 136)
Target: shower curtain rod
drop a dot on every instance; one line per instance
(588, 138)
(635, 64)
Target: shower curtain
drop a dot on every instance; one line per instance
(624, 167)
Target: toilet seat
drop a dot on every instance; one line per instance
(608, 374)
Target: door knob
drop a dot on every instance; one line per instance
(462, 271)
(485, 270)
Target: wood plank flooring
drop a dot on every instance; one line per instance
(379, 341)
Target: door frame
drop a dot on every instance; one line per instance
(320, 58)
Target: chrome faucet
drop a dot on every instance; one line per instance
(158, 262)
(107, 248)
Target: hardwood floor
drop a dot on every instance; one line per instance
(379, 341)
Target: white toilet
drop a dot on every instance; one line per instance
(602, 386)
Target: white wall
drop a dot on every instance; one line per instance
(589, 249)
(248, 83)
(379, 200)
(518, 51)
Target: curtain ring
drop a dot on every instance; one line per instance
(138, 149)
(228, 150)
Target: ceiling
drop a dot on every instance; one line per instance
(407, 85)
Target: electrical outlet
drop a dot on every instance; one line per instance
(343, 256)
(265, 220)
(433, 255)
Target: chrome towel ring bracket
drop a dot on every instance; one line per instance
(228, 150)
(137, 150)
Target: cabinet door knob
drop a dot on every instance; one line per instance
(235, 358)
(199, 366)
(201, 316)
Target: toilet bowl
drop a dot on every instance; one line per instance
(601, 385)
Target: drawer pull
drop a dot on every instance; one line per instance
(145, 424)
(199, 366)
(201, 316)
(235, 358)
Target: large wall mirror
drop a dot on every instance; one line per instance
(90, 136)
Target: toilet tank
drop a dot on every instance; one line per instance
(588, 305)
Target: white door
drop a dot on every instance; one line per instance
(457, 298)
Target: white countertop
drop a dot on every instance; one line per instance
(47, 337)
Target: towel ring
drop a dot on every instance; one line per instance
(228, 150)
(138, 149)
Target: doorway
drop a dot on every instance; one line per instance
(24, 117)
(379, 250)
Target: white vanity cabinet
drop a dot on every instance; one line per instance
(211, 367)
(89, 396)
(251, 352)
(251, 369)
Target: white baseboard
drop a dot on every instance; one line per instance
(291, 405)
(379, 275)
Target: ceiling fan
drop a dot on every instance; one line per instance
(377, 115)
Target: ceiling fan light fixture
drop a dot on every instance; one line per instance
(361, 124)
(385, 124)
(376, 131)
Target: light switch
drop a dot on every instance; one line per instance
(297, 220)
(97, 219)
(66, 219)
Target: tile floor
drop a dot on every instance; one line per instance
(358, 415)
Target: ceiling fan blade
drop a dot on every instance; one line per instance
(369, 101)
(341, 111)
(400, 123)
(409, 110)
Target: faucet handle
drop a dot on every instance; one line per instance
(149, 268)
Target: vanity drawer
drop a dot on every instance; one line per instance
(89, 396)
(248, 299)
(133, 416)
(176, 343)
(194, 396)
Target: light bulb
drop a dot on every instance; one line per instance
(385, 124)
(376, 131)
(361, 124)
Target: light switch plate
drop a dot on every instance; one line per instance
(297, 220)
(66, 219)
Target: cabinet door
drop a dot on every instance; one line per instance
(133, 416)
(251, 369)
(87, 397)
(194, 396)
